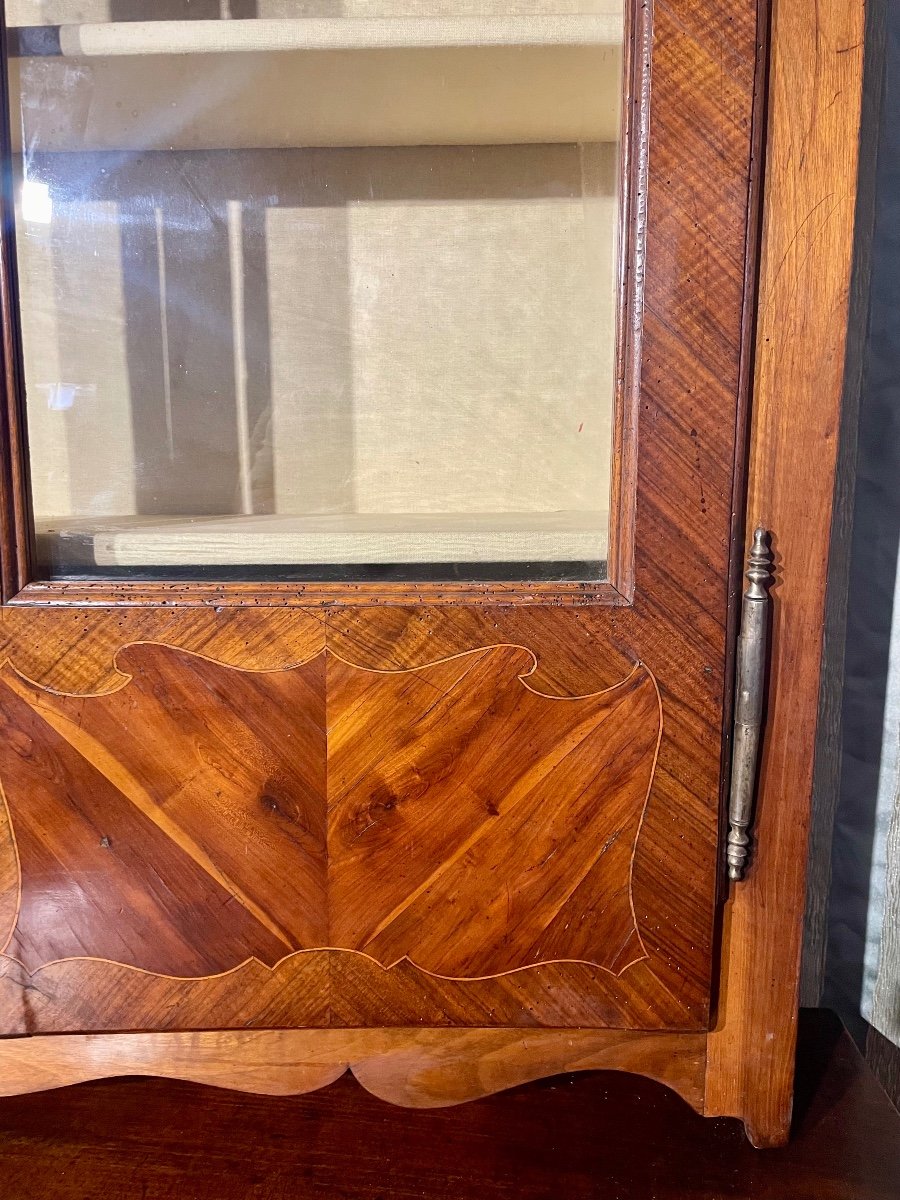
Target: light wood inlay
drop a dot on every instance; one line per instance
(73, 651)
(10, 876)
(322, 988)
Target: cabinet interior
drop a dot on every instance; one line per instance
(336, 289)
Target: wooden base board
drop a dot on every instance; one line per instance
(578, 1137)
(417, 1068)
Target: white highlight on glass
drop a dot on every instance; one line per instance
(37, 204)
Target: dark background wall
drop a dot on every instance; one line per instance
(869, 717)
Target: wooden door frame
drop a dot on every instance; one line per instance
(691, 408)
(744, 1067)
(815, 93)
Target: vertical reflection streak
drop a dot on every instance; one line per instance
(164, 327)
(235, 219)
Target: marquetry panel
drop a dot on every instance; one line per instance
(485, 827)
(74, 650)
(198, 816)
(481, 829)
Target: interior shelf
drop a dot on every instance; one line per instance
(129, 38)
(337, 539)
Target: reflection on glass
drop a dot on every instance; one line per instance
(318, 296)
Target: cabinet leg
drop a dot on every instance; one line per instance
(767, 1134)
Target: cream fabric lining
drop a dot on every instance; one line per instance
(434, 335)
(62, 12)
(446, 96)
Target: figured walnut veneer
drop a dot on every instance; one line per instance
(231, 828)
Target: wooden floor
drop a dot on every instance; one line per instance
(603, 1135)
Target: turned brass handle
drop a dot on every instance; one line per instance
(748, 702)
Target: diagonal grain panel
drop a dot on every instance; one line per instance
(401, 794)
(98, 877)
(182, 817)
(562, 787)
(322, 988)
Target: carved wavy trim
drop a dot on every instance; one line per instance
(415, 1068)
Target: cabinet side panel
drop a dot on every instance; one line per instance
(815, 84)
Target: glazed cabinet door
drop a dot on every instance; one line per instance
(375, 391)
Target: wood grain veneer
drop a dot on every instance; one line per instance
(16, 536)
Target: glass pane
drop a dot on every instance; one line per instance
(317, 296)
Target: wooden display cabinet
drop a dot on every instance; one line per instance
(390, 398)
